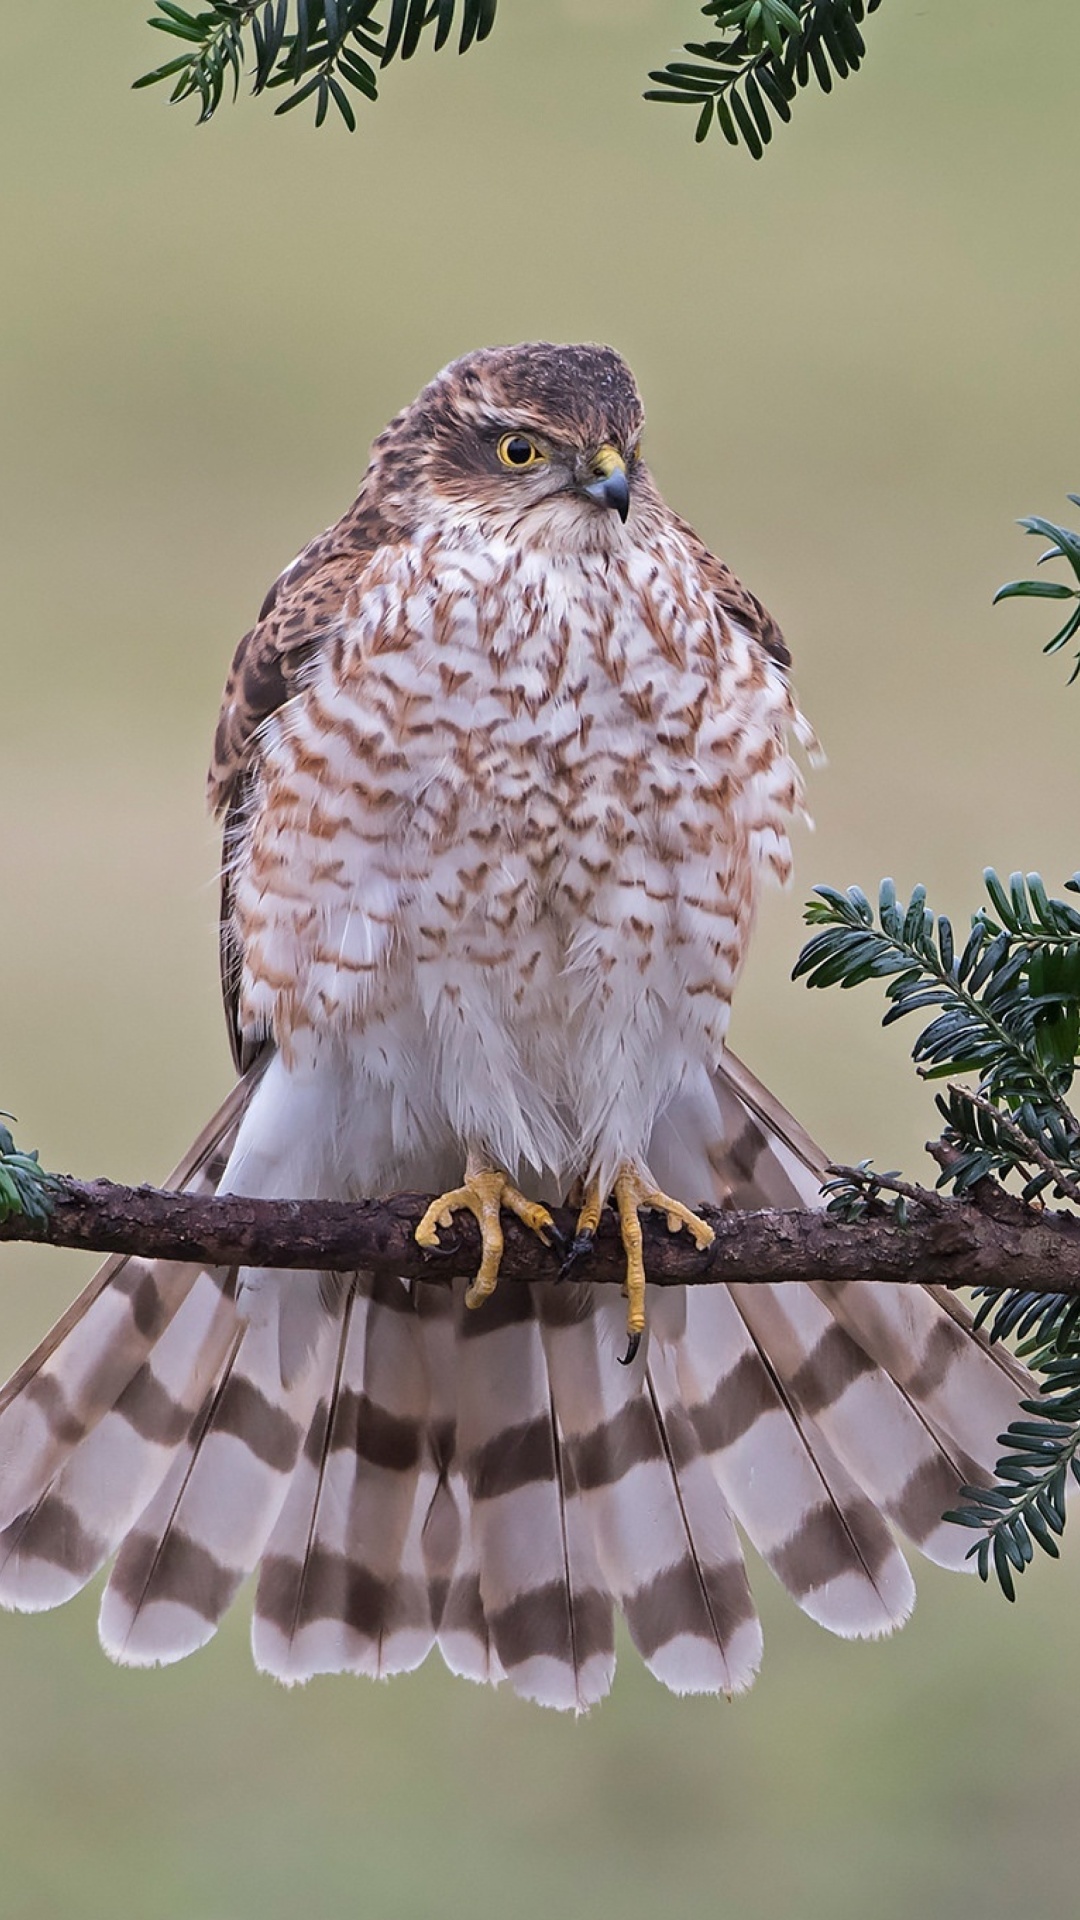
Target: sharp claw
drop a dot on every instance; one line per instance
(553, 1239)
(445, 1248)
(632, 1344)
(579, 1249)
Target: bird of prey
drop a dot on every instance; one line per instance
(502, 765)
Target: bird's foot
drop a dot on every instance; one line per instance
(634, 1190)
(485, 1191)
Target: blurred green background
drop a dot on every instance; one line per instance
(859, 359)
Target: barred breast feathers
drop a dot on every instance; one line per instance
(540, 794)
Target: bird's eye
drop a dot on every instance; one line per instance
(517, 450)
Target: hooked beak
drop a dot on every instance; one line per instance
(610, 488)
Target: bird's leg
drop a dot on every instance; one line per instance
(485, 1191)
(635, 1189)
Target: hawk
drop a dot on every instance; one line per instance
(502, 766)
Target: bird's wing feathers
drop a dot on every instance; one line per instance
(299, 616)
(735, 601)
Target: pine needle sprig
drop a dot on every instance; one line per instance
(1064, 545)
(770, 49)
(860, 1193)
(1006, 1007)
(25, 1187)
(315, 48)
(1026, 1507)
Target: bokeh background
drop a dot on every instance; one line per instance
(859, 359)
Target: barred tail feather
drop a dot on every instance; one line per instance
(662, 1537)
(443, 1538)
(546, 1608)
(206, 1528)
(334, 1592)
(895, 1381)
(957, 1385)
(884, 1436)
(713, 1560)
(79, 1373)
(78, 1521)
(89, 1422)
(463, 1635)
(800, 1507)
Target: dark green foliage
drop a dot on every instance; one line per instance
(1006, 1009)
(1064, 546)
(858, 1193)
(769, 49)
(314, 49)
(24, 1185)
(1026, 1508)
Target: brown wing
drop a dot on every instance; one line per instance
(736, 600)
(294, 620)
(297, 618)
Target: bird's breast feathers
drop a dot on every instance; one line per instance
(557, 776)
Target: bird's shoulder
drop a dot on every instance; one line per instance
(734, 600)
(297, 617)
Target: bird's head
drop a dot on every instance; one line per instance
(535, 439)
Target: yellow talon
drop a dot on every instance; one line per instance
(484, 1193)
(591, 1208)
(632, 1193)
(592, 1203)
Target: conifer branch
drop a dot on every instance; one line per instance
(767, 51)
(315, 49)
(328, 51)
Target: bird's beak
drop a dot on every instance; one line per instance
(610, 488)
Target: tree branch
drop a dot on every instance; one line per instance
(990, 1239)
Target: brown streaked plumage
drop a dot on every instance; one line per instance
(502, 764)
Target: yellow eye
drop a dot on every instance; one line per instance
(517, 450)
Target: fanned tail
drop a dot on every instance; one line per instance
(403, 1472)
